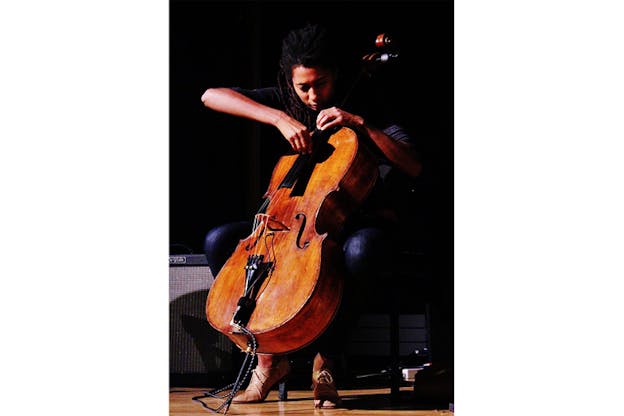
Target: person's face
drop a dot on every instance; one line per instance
(314, 86)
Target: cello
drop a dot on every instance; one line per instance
(283, 284)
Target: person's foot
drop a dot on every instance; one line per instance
(325, 392)
(262, 381)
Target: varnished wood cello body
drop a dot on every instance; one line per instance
(284, 282)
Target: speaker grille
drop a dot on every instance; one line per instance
(195, 347)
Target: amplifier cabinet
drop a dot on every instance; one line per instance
(195, 348)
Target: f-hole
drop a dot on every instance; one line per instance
(300, 233)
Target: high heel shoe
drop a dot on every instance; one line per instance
(325, 392)
(262, 380)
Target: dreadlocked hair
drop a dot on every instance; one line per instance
(309, 46)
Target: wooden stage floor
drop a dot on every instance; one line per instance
(355, 402)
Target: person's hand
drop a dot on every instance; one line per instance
(296, 134)
(334, 116)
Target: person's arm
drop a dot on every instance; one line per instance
(226, 100)
(402, 155)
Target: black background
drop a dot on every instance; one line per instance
(220, 165)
